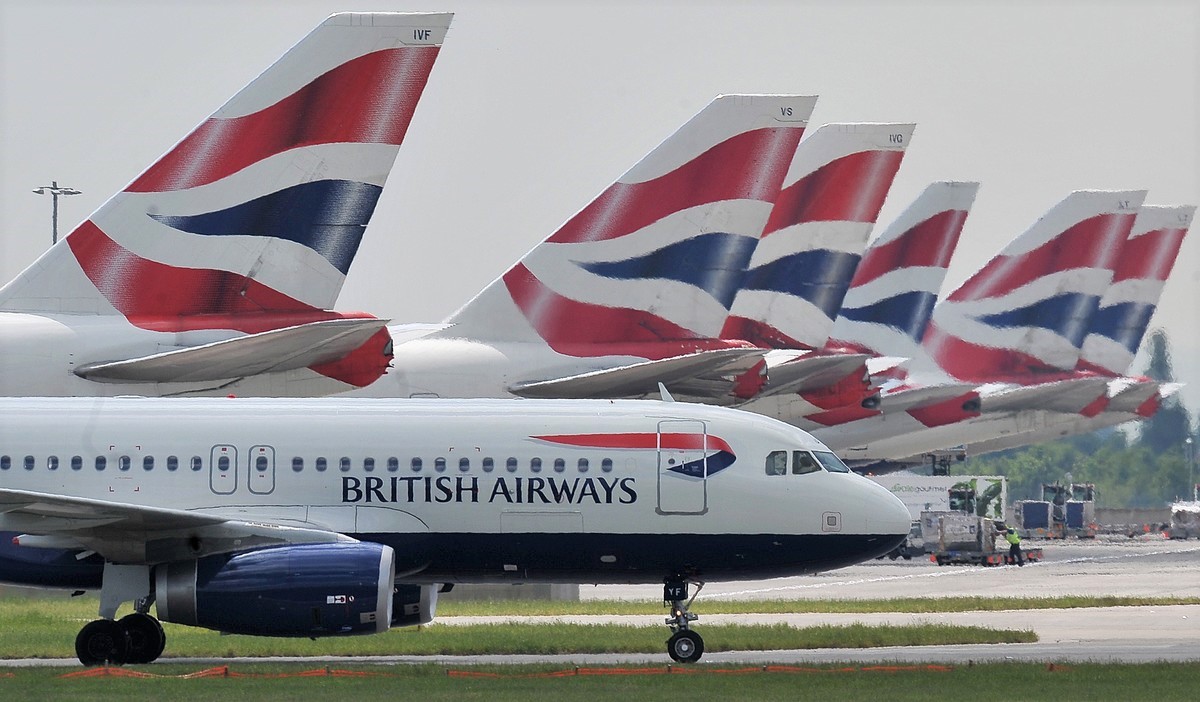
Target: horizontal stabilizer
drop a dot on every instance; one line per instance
(680, 373)
(910, 397)
(272, 351)
(1071, 395)
(810, 372)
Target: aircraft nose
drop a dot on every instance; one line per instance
(886, 514)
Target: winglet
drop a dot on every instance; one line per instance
(666, 396)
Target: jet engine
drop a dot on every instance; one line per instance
(304, 590)
(414, 604)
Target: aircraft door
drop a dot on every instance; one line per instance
(682, 467)
(222, 469)
(262, 470)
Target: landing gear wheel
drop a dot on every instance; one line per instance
(146, 638)
(685, 646)
(102, 641)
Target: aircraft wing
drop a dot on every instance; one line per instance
(703, 374)
(811, 371)
(271, 351)
(135, 534)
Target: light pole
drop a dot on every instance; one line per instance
(1189, 455)
(55, 190)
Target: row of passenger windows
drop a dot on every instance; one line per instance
(804, 462)
(488, 464)
(345, 464)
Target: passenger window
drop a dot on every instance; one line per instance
(488, 465)
(148, 463)
(297, 464)
(5, 462)
(344, 464)
(29, 463)
(559, 465)
(260, 464)
(52, 462)
(439, 464)
(832, 463)
(464, 464)
(222, 464)
(416, 465)
(368, 464)
(172, 463)
(583, 465)
(322, 464)
(803, 463)
(535, 465)
(393, 464)
(511, 465)
(606, 465)
(101, 462)
(197, 463)
(76, 462)
(124, 462)
(777, 463)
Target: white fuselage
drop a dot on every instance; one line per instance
(474, 490)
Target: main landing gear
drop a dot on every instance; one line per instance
(134, 638)
(685, 645)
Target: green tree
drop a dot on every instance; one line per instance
(1164, 432)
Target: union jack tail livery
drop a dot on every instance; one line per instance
(1127, 306)
(649, 268)
(1026, 312)
(818, 228)
(255, 216)
(896, 284)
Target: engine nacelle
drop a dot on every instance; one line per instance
(305, 590)
(413, 605)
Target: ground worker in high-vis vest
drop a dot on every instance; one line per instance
(1014, 546)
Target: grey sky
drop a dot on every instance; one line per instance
(534, 107)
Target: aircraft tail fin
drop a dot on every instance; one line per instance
(816, 233)
(1127, 306)
(1028, 309)
(650, 266)
(262, 207)
(896, 284)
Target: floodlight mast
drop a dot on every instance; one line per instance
(55, 190)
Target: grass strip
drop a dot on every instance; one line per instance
(46, 634)
(1025, 681)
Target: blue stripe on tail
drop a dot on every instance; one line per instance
(327, 216)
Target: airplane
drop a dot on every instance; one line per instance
(1117, 330)
(889, 297)
(214, 271)
(803, 265)
(1013, 331)
(339, 516)
(633, 289)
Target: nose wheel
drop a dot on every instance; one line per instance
(685, 645)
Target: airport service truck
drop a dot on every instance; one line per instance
(1185, 520)
(968, 539)
(1063, 511)
(928, 496)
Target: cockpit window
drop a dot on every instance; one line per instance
(803, 462)
(777, 463)
(832, 463)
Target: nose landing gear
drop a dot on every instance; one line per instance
(685, 645)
